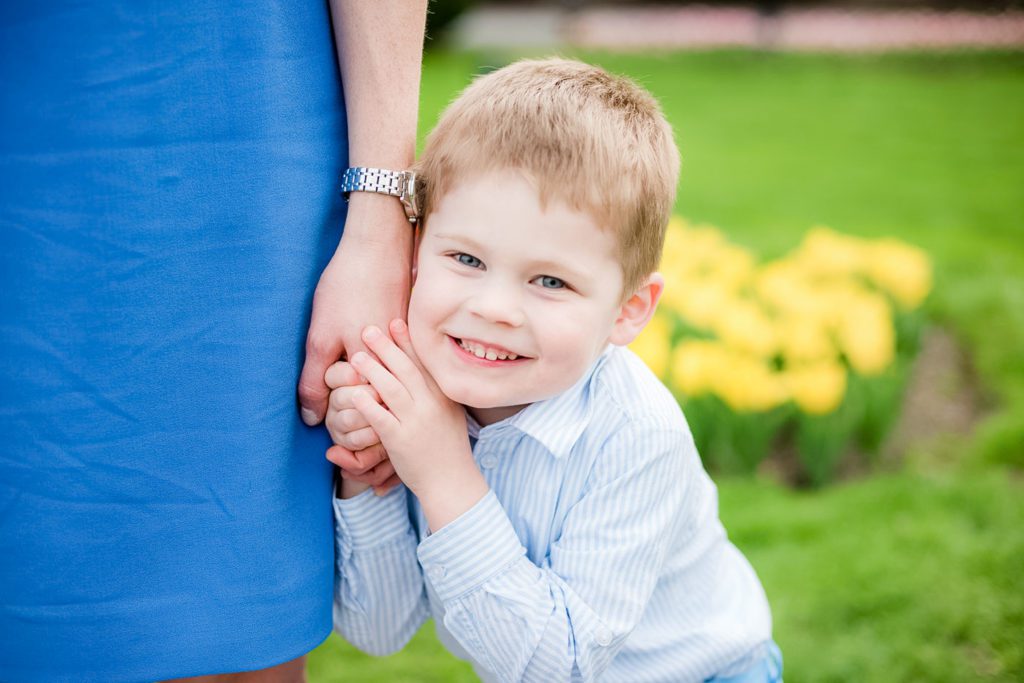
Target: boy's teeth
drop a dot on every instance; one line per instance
(483, 352)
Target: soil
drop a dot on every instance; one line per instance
(943, 398)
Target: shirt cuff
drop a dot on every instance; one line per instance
(470, 550)
(369, 520)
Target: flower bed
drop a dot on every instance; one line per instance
(809, 350)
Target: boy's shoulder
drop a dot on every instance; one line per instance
(626, 394)
(618, 411)
(632, 420)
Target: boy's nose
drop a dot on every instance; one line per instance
(497, 305)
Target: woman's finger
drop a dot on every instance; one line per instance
(375, 476)
(357, 463)
(342, 457)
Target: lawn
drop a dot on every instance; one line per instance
(915, 573)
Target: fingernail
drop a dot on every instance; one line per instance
(371, 333)
(308, 416)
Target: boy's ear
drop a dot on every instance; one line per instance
(637, 311)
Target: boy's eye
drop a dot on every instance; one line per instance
(548, 282)
(468, 260)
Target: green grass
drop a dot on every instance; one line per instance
(911, 575)
(424, 660)
(908, 577)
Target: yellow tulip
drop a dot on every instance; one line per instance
(824, 250)
(743, 382)
(745, 326)
(835, 296)
(732, 267)
(677, 288)
(804, 338)
(654, 345)
(866, 335)
(902, 270)
(694, 363)
(817, 388)
(747, 384)
(779, 282)
(703, 302)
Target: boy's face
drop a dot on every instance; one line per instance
(497, 275)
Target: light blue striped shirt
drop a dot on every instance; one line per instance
(597, 555)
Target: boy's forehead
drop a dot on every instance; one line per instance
(514, 195)
(507, 208)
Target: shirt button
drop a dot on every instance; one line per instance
(437, 573)
(603, 637)
(489, 462)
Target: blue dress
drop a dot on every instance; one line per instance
(168, 199)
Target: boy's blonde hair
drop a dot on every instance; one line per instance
(597, 141)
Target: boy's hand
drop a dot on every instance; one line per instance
(359, 453)
(423, 430)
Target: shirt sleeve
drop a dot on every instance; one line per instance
(568, 617)
(379, 598)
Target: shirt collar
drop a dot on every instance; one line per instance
(557, 422)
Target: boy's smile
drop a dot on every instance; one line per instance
(512, 301)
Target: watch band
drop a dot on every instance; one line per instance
(401, 184)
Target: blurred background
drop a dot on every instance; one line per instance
(844, 320)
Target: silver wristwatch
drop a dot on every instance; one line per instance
(401, 184)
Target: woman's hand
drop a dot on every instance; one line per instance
(367, 282)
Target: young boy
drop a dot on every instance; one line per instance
(560, 526)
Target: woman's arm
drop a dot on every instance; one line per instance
(380, 51)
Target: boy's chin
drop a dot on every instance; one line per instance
(473, 398)
(470, 399)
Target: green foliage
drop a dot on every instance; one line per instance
(733, 443)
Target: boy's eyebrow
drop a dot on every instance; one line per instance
(469, 242)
